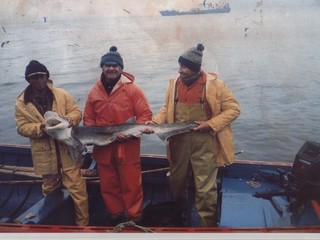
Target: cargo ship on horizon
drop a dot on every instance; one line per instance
(205, 8)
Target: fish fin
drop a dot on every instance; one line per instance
(76, 152)
(131, 120)
(77, 149)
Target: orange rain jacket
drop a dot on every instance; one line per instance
(125, 101)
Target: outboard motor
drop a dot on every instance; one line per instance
(306, 170)
(301, 183)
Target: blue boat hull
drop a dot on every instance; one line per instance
(22, 203)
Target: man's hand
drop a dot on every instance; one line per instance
(202, 126)
(149, 130)
(70, 121)
(121, 137)
(43, 128)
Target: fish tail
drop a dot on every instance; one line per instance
(165, 135)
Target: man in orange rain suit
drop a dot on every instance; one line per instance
(112, 101)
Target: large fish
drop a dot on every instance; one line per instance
(78, 137)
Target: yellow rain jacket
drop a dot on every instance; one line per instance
(43, 148)
(224, 108)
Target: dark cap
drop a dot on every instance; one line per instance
(35, 68)
(112, 57)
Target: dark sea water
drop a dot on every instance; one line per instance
(268, 55)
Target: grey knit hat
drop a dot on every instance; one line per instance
(192, 58)
(112, 57)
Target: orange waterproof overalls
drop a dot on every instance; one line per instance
(119, 163)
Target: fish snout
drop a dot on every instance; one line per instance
(53, 118)
(52, 122)
(59, 126)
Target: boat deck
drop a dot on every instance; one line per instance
(238, 208)
(239, 204)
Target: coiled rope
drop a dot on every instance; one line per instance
(120, 227)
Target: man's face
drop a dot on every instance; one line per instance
(186, 72)
(111, 72)
(38, 82)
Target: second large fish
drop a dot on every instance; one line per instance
(78, 137)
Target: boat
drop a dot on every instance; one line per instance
(253, 196)
(204, 8)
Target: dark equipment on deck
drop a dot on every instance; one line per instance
(301, 183)
(163, 214)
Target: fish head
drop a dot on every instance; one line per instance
(56, 126)
(54, 120)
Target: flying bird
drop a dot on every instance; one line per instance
(3, 43)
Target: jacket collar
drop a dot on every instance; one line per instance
(21, 95)
(210, 76)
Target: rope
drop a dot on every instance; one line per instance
(120, 227)
(155, 170)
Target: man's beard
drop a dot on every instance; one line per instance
(190, 80)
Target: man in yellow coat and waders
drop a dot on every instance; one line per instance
(200, 97)
(51, 158)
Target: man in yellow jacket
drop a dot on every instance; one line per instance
(51, 159)
(200, 97)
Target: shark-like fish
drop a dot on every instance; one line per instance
(78, 137)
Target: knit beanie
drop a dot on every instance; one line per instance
(35, 68)
(192, 58)
(112, 57)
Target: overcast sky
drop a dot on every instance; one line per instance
(32, 10)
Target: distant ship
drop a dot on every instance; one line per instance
(205, 8)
